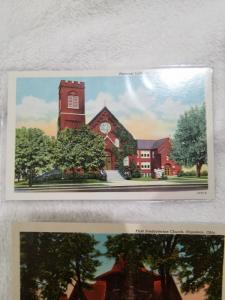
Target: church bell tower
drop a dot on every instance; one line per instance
(71, 104)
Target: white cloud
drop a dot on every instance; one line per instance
(125, 106)
(178, 77)
(36, 109)
(95, 105)
(171, 110)
(140, 102)
(138, 110)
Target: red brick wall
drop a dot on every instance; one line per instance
(164, 150)
(105, 116)
(159, 160)
(69, 117)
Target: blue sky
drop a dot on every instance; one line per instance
(106, 263)
(47, 88)
(153, 100)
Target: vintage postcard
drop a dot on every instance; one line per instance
(69, 261)
(145, 135)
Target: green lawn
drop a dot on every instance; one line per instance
(57, 182)
(175, 179)
(143, 179)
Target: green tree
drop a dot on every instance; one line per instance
(189, 146)
(58, 259)
(33, 153)
(79, 148)
(125, 246)
(29, 265)
(202, 265)
(161, 253)
(197, 261)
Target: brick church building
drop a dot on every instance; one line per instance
(151, 154)
(110, 286)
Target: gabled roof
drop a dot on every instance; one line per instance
(96, 291)
(145, 144)
(118, 268)
(150, 144)
(160, 142)
(105, 109)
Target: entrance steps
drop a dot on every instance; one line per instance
(114, 176)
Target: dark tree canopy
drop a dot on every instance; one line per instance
(202, 265)
(161, 254)
(196, 261)
(51, 260)
(189, 145)
(126, 247)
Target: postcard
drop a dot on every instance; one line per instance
(71, 261)
(140, 135)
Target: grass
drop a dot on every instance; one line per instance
(143, 179)
(175, 179)
(183, 178)
(57, 182)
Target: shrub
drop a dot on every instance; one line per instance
(136, 174)
(164, 177)
(204, 173)
(181, 173)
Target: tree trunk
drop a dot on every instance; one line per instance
(128, 287)
(81, 294)
(30, 180)
(165, 295)
(168, 285)
(198, 169)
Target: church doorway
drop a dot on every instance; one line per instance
(108, 161)
(168, 170)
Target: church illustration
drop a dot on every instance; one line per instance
(110, 286)
(151, 154)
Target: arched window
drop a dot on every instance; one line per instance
(73, 102)
(117, 143)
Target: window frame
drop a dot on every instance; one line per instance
(73, 101)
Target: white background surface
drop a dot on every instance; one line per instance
(121, 34)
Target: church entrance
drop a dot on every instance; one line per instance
(108, 161)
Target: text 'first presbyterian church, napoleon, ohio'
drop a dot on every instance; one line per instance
(151, 154)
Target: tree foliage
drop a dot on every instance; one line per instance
(79, 148)
(202, 265)
(29, 266)
(189, 145)
(49, 261)
(196, 261)
(161, 254)
(125, 246)
(33, 153)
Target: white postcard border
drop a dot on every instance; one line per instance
(11, 194)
